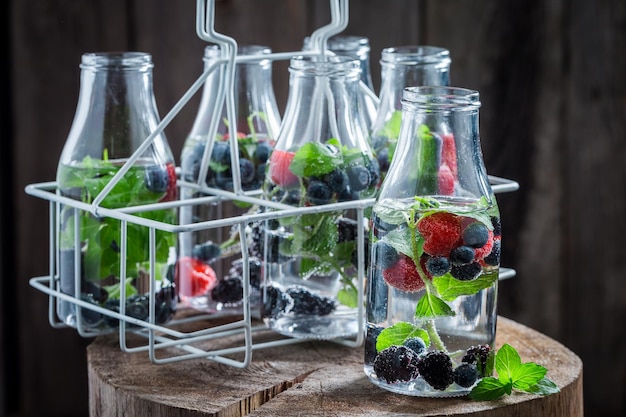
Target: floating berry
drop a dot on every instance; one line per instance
(171, 192)
(396, 363)
(280, 174)
(403, 275)
(436, 369)
(337, 180)
(275, 302)
(374, 171)
(207, 251)
(493, 258)
(445, 180)
(485, 250)
(347, 230)
(476, 235)
(497, 226)
(448, 153)
(359, 177)
(438, 265)
(462, 255)
(194, 277)
(262, 152)
(221, 153)
(416, 344)
(386, 255)
(318, 193)
(466, 272)
(156, 179)
(441, 231)
(228, 291)
(466, 375)
(482, 357)
(309, 303)
(246, 168)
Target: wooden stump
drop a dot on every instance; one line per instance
(308, 379)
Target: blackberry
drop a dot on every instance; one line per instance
(370, 344)
(436, 369)
(337, 180)
(137, 306)
(347, 229)
(466, 375)
(359, 177)
(386, 255)
(493, 258)
(476, 235)
(247, 170)
(416, 344)
(482, 357)
(156, 179)
(396, 363)
(164, 312)
(96, 292)
(262, 152)
(228, 291)
(254, 268)
(462, 255)
(275, 302)
(318, 193)
(497, 226)
(438, 265)
(466, 272)
(308, 303)
(207, 251)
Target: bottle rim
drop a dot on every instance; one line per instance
(325, 65)
(415, 55)
(441, 97)
(117, 60)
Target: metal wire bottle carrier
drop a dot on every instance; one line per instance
(172, 343)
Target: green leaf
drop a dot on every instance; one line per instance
(431, 306)
(348, 296)
(449, 288)
(507, 362)
(398, 333)
(400, 240)
(488, 389)
(391, 130)
(390, 215)
(527, 375)
(314, 159)
(544, 387)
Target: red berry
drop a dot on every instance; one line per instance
(403, 275)
(448, 154)
(240, 135)
(445, 180)
(480, 253)
(194, 277)
(280, 174)
(441, 232)
(171, 192)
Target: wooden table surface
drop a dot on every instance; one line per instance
(313, 378)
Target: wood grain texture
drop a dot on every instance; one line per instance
(307, 379)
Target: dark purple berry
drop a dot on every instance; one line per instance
(156, 179)
(247, 170)
(466, 375)
(221, 153)
(318, 193)
(262, 152)
(308, 303)
(228, 291)
(497, 226)
(337, 180)
(437, 265)
(347, 230)
(275, 302)
(436, 369)
(493, 258)
(207, 251)
(462, 255)
(482, 356)
(395, 364)
(466, 272)
(476, 235)
(374, 171)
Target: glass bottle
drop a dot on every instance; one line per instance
(403, 66)
(321, 157)
(210, 269)
(432, 284)
(357, 47)
(116, 113)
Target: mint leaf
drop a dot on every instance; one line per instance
(348, 296)
(400, 240)
(431, 306)
(398, 333)
(544, 387)
(314, 159)
(527, 375)
(507, 362)
(488, 389)
(449, 288)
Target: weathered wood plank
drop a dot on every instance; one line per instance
(308, 379)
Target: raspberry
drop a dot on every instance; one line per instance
(485, 250)
(171, 193)
(194, 277)
(280, 174)
(448, 153)
(445, 180)
(403, 275)
(396, 363)
(436, 369)
(441, 232)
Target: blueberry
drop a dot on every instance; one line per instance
(262, 152)
(416, 344)
(465, 375)
(374, 171)
(383, 159)
(438, 265)
(476, 235)
(359, 177)
(246, 168)
(207, 251)
(337, 180)
(386, 255)
(156, 179)
(462, 255)
(221, 153)
(318, 193)
(192, 161)
(347, 195)
(466, 272)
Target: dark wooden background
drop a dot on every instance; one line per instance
(552, 77)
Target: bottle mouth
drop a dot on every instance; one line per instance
(415, 55)
(326, 65)
(119, 61)
(441, 97)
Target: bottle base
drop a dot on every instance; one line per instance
(315, 327)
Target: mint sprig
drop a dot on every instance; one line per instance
(513, 375)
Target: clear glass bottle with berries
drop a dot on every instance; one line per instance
(210, 269)
(116, 113)
(435, 253)
(401, 67)
(321, 158)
